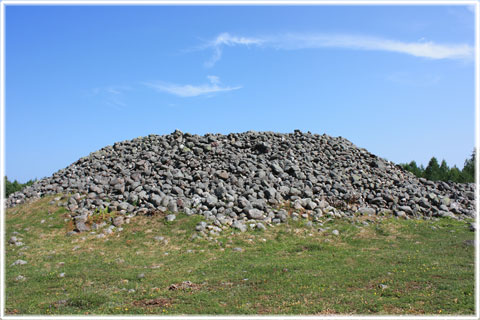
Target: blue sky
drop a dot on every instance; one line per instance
(396, 80)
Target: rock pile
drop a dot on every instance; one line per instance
(231, 179)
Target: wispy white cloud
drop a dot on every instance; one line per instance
(214, 79)
(189, 90)
(113, 96)
(297, 41)
(225, 39)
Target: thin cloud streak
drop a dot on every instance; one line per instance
(189, 90)
(112, 95)
(225, 39)
(298, 41)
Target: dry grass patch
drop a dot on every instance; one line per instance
(156, 303)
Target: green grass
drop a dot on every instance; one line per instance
(287, 269)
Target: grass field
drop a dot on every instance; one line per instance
(389, 266)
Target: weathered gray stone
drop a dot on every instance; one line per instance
(172, 206)
(170, 217)
(81, 226)
(240, 226)
(19, 262)
(20, 278)
(255, 214)
(400, 214)
(201, 226)
(222, 174)
(12, 240)
(366, 211)
(118, 221)
(260, 226)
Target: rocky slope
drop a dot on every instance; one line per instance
(233, 178)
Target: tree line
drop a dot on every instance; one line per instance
(442, 172)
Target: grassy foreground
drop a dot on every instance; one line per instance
(387, 267)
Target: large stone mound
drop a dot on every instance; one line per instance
(246, 176)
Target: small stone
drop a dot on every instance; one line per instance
(240, 226)
(472, 226)
(170, 217)
(13, 240)
(255, 214)
(81, 226)
(366, 211)
(61, 275)
(260, 226)
(222, 174)
(118, 221)
(401, 214)
(159, 238)
(237, 249)
(19, 262)
(201, 226)
(141, 276)
(20, 278)
(382, 286)
(61, 302)
(109, 230)
(131, 291)
(335, 232)
(172, 207)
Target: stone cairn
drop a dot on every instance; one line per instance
(240, 179)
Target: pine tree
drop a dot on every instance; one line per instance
(443, 171)
(413, 168)
(468, 170)
(455, 175)
(432, 172)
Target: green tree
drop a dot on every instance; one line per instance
(455, 175)
(432, 171)
(413, 168)
(443, 171)
(468, 170)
